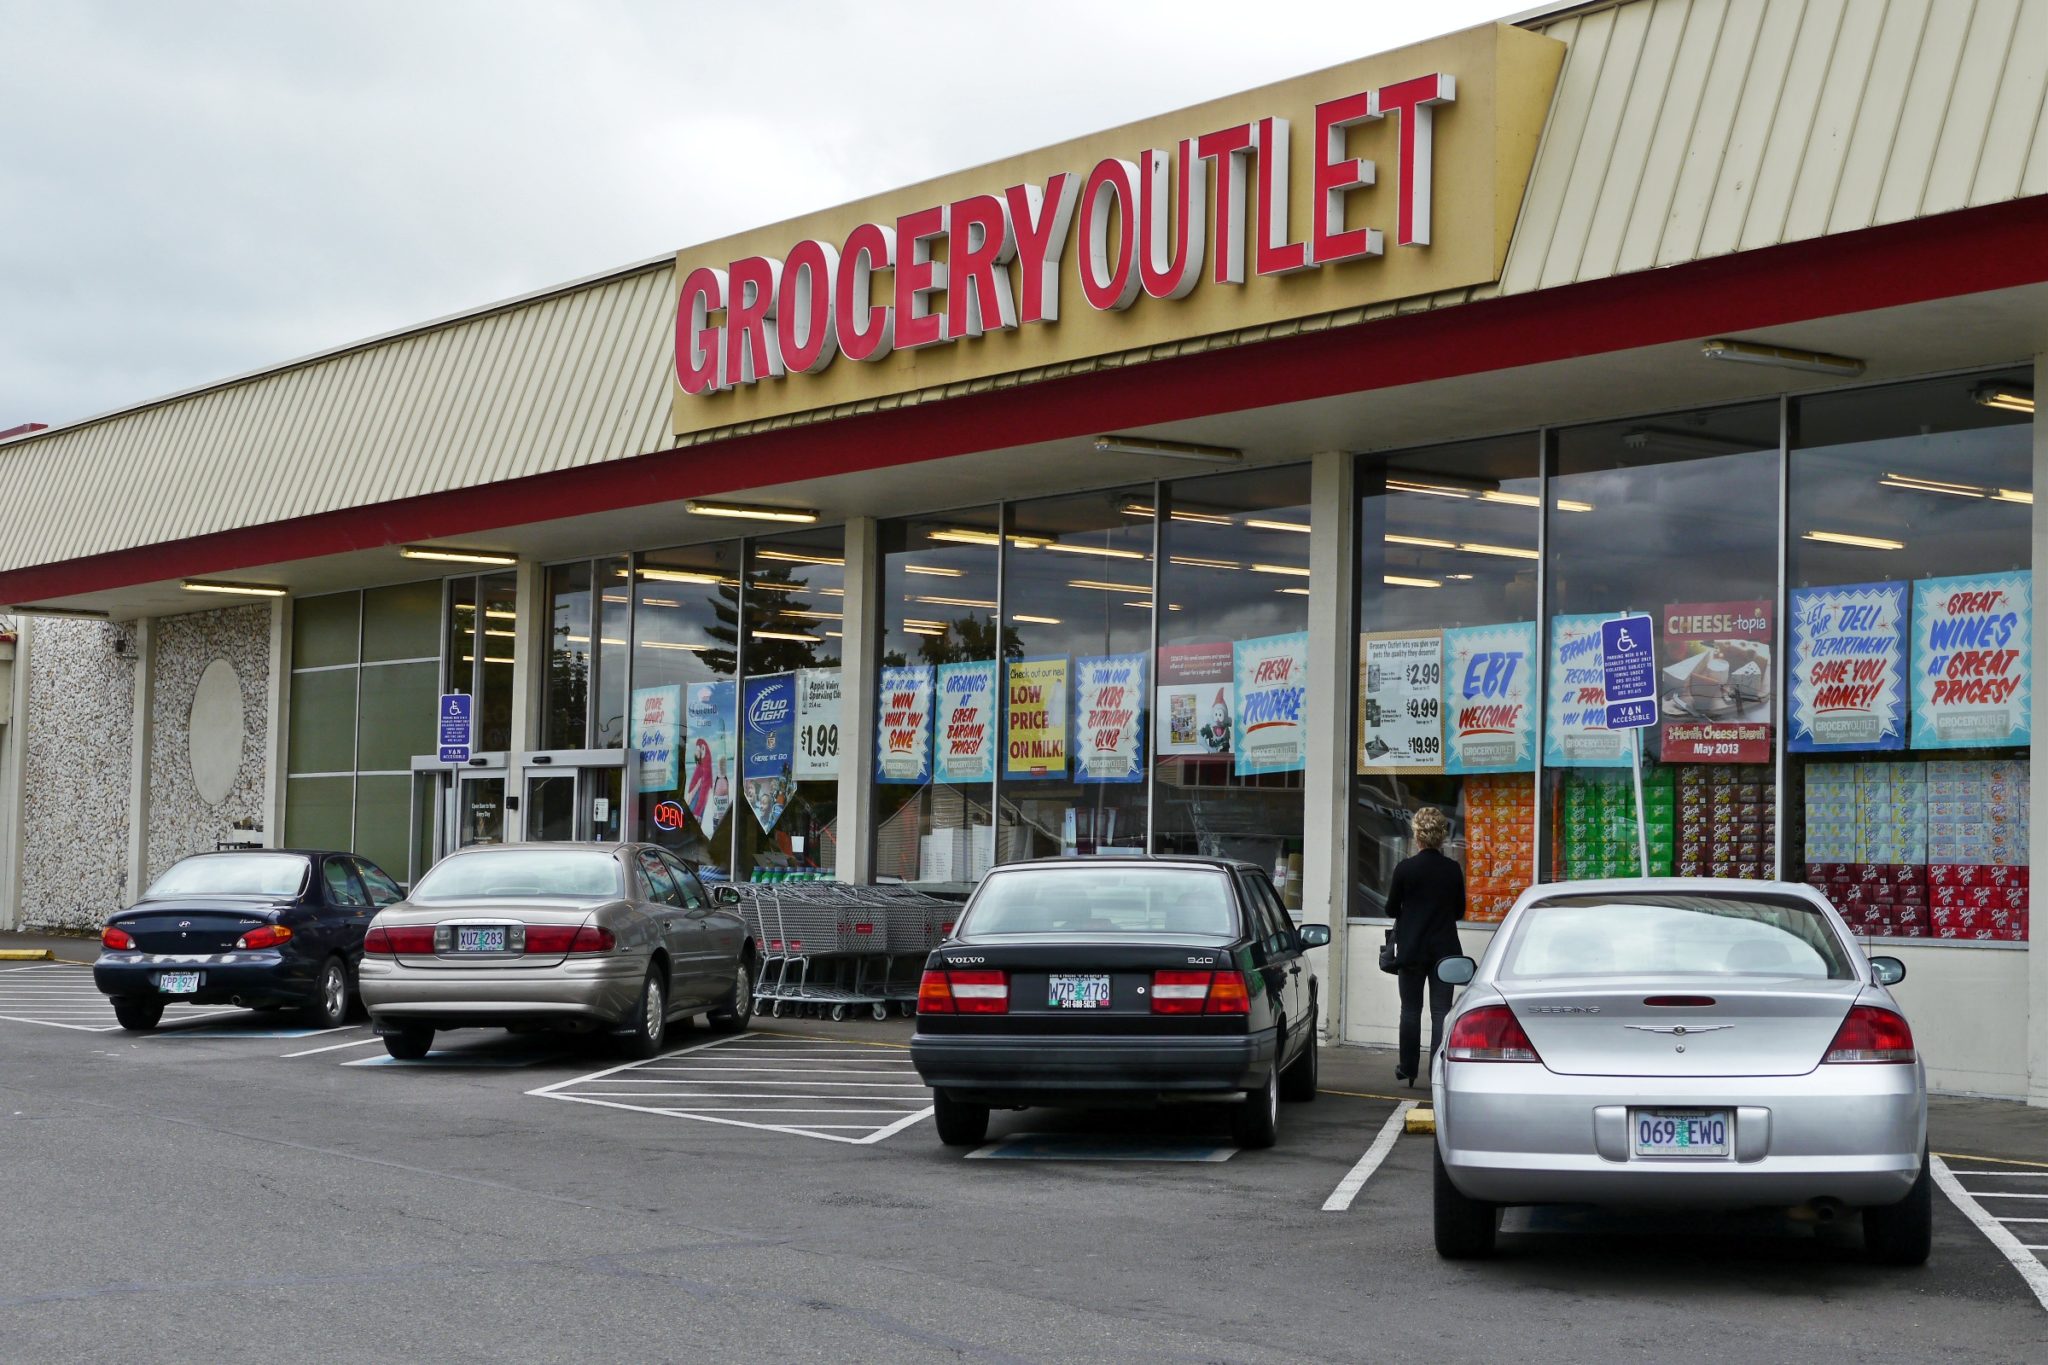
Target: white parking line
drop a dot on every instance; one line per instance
(336, 1047)
(1354, 1181)
(2012, 1248)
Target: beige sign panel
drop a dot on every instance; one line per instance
(1467, 109)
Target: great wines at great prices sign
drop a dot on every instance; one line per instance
(1972, 660)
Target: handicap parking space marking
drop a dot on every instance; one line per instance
(2012, 1222)
(62, 995)
(200, 1027)
(1102, 1147)
(853, 1094)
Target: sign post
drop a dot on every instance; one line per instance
(1628, 667)
(456, 733)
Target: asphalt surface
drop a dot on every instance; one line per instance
(202, 1193)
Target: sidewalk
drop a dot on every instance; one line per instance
(64, 947)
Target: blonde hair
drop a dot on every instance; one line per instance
(1432, 827)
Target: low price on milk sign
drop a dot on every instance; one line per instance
(1109, 718)
(1972, 648)
(1848, 668)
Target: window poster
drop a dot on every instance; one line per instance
(1848, 670)
(708, 743)
(1109, 718)
(1195, 701)
(966, 738)
(1272, 722)
(1035, 743)
(1715, 698)
(657, 734)
(1401, 702)
(1489, 698)
(818, 703)
(903, 729)
(1575, 734)
(768, 746)
(1972, 656)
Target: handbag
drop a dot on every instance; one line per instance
(1390, 956)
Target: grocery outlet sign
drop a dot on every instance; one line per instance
(1386, 178)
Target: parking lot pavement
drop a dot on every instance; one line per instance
(61, 995)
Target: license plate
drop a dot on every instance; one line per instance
(1656, 1132)
(491, 940)
(178, 983)
(1077, 992)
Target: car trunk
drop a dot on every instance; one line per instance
(197, 926)
(1080, 965)
(486, 913)
(1743, 1026)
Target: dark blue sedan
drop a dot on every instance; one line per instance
(265, 929)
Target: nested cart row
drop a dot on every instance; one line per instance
(828, 948)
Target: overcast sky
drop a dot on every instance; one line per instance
(194, 188)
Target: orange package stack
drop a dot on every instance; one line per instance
(1499, 841)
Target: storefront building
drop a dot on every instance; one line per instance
(1238, 482)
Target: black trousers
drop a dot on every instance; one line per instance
(1412, 983)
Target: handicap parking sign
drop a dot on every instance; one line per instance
(455, 731)
(1628, 666)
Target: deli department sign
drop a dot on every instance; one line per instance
(1385, 178)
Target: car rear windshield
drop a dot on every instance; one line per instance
(519, 873)
(1651, 934)
(232, 874)
(1102, 900)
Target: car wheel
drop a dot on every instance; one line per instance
(1465, 1228)
(1256, 1122)
(1298, 1081)
(1903, 1233)
(138, 1016)
(738, 1010)
(649, 1021)
(410, 1043)
(960, 1125)
(329, 1005)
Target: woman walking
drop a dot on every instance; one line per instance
(1426, 901)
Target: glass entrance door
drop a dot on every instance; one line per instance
(551, 806)
(584, 802)
(479, 812)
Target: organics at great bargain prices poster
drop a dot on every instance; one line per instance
(1109, 718)
(1035, 720)
(1272, 692)
(1575, 734)
(1848, 670)
(1972, 660)
(1716, 697)
(1490, 698)
(966, 720)
(903, 727)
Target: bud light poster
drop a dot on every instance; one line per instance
(768, 746)
(1272, 718)
(1972, 655)
(1489, 698)
(707, 740)
(1109, 718)
(903, 732)
(1848, 668)
(967, 722)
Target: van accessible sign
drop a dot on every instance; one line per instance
(1628, 671)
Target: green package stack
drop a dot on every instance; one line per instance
(1599, 822)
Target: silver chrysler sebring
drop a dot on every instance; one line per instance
(619, 939)
(1679, 1042)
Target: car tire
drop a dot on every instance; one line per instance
(649, 1021)
(1256, 1121)
(1903, 1233)
(959, 1124)
(1465, 1228)
(1298, 1081)
(328, 1009)
(410, 1043)
(738, 1010)
(138, 1016)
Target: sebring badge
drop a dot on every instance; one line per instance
(1564, 1009)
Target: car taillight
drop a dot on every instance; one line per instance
(1184, 992)
(940, 992)
(591, 939)
(269, 936)
(1872, 1033)
(1490, 1033)
(563, 938)
(403, 938)
(116, 938)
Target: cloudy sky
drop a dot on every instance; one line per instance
(194, 188)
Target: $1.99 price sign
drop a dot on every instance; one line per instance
(1400, 721)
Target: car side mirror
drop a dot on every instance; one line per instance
(1314, 935)
(1889, 971)
(1456, 971)
(726, 895)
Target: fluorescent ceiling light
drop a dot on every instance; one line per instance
(1139, 509)
(763, 585)
(1784, 358)
(1102, 586)
(1513, 499)
(608, 640)
(1263, 524)
(454, 555)
(1394, 580)
(1177, 450)
(1142, 606)
(504, 634)
(79, 613)
(1912, 483)
(1293, 592)
(489, 614)
(1854, 541)
(963, 537)
(1665, 441)
(934, 571)
(1034, 620)
(923, 630)
(2009, 397)
(1459, 576)
(790, 636)
(665, 644)
(1197, 562)
(1288, 569)
(955, 602)
(1435, 490)
(749, 511)
(680, 576)
(471, 658)
(2016, 495)
(235, 589)
(792, 557)
(1091, 550)
(920, 621)
(1426, 542)
(811, 615)
(1504, 551)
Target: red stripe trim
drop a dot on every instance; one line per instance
(1969, 252)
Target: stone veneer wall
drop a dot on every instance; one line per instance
(180, 820)
(77, 738)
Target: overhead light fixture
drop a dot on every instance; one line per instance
(1175, 450)
(1034, 620)
(1504, 551)
(471, 658)
(1913, 483)
(604, 640)
(801, 614)
(1462, 577)
(1101, 585)
(454, 555)
(504, 634)
(1293, 592)
(792, 557)
(955, 602)
(2015, 495)
(1434, 490)
(1139, 509)
(2008, 397)
(1142, 606)
(788, 635)
(1781, 357)
(1426, 542)
(750, 511)
(964, 537)
(1198, 562)
(1665, 441)
(1288, 569)
(490, 613)
(934, 571)
(920, 621)
(680, 576)
(76, 613)
(1394, 580)
(1854, 541)
(667, 644)
(1066, 549)
(235, 589)
(1264, 524)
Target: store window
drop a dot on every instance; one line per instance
(1910, 618)
(934, 814)
(583, 692)
(1447, 713)
(1229, 743)
(684, 706)
(1675, 517)
(482, 632)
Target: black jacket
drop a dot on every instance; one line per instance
(1426, 901)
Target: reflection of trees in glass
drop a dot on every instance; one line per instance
(969, 638)
(568, 691)
(771, 590)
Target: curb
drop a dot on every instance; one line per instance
(27, 955)
(1421, 1119)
